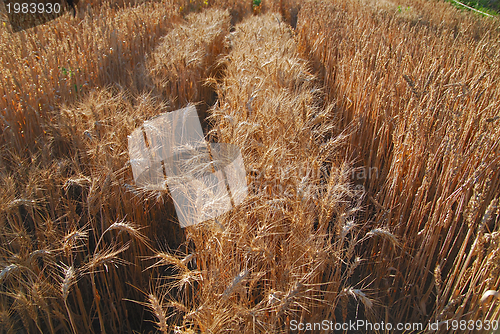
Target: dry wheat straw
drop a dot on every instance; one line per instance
(156, 305)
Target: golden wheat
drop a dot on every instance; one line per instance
(368, 133)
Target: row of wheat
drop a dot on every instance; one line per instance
(288, 251)
(421, 87)
(73, 245)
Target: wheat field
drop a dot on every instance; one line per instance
(369, 132)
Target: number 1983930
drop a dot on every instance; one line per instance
(472, 325)
(33, 8)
